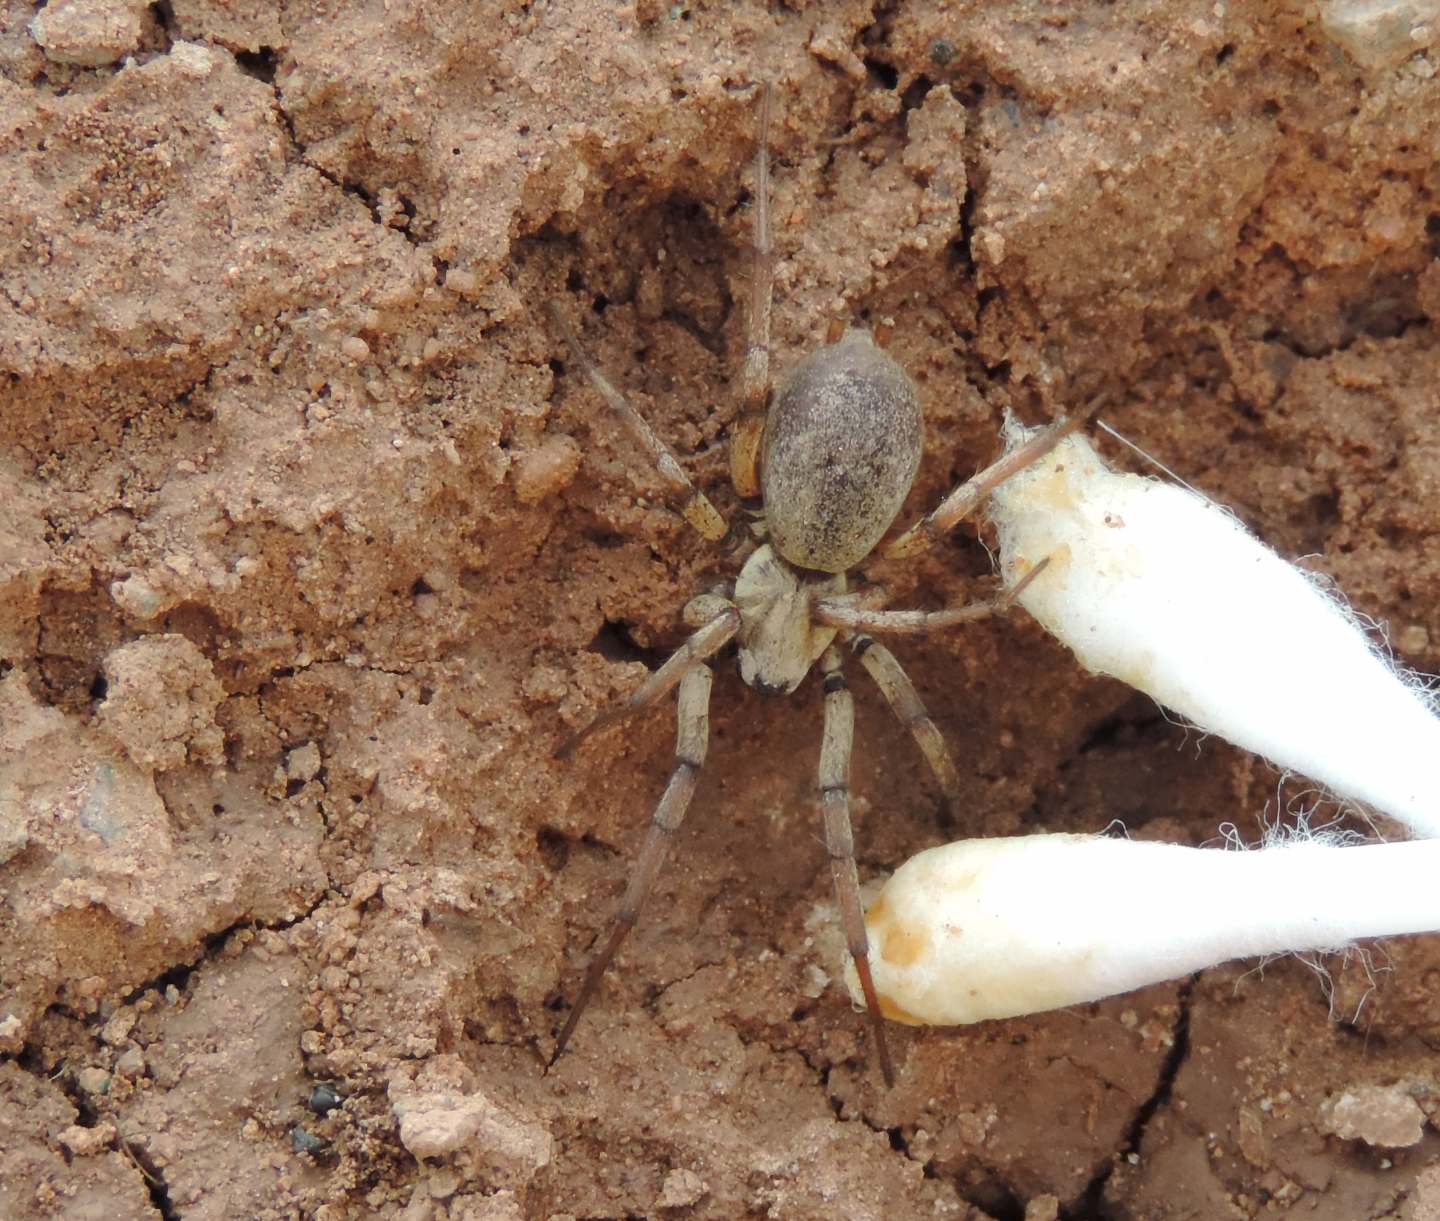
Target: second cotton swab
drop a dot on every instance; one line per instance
(1000, 927)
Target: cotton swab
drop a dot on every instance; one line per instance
(994, 928)
(1155, 585)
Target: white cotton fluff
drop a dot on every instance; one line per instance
(995, 928)
(1155, 585)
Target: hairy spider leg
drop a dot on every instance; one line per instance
(755, 373)
(909, 709)
(854, 615)
(834, 781)
(704, 644)
(971, 494)
(692, 737)
(695, 506)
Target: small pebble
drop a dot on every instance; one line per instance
(1386, 1116)
(546, 469)
(303, 1142)
(462, 282)
(323, 1099)
(1381, 35)
(131, 1062)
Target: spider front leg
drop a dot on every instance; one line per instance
(692, 737)
(971, 494)
(852, 613)
(835, 748)
(755, 374)
(695, 506)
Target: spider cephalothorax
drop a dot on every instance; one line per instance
(833, 454)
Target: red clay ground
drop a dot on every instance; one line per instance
(313, 544)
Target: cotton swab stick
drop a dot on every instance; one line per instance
(1156, 586)
(995, 928)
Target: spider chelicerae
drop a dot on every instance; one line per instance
(831, 454)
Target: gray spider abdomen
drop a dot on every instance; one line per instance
(842, 444)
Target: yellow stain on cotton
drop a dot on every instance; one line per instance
(1053, 488)
(895, 1013)
(904, 947)
(899, 946)
(1057, 569)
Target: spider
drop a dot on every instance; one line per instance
(832, 455)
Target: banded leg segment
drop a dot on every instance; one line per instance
(692, 738)
(905, 702)
(835, 750)
(704, 644)
(755, 374)
(695, 506)
(971, 494)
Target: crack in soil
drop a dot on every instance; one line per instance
(1090, 1205)
(31, 1060)
(1001, 1202)
(155, 1183)
(179, 974)
(262, 68)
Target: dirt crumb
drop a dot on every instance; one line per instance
(547, 469)
(1042, 1208)
(90, 33)
(86, 1142)
(1386, 1116)
(441, 1112)
(160, 700)
(681, 1189)
(1379, 36)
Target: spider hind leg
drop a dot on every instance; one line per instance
(692, 737)
(834, 778)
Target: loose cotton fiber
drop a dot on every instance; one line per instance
(1156, 586)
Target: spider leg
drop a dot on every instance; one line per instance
(909, 709)
(695, 506)
(705, 643)
(839, 736)
(856, 616)
(755, 374)
(692, 736)
(971, 494)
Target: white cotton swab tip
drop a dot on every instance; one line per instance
(996, 928)
(1153, 584)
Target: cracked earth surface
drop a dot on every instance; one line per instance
(313, 545)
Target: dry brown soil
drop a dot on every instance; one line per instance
(313, 544)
